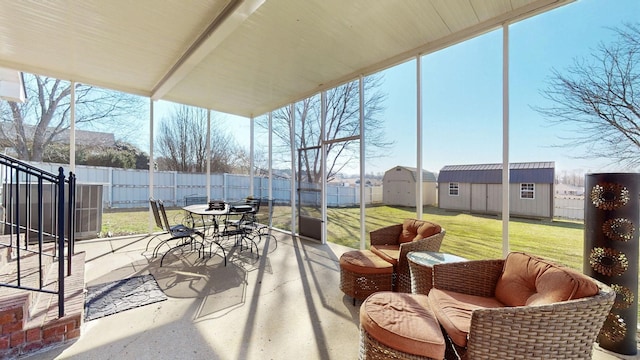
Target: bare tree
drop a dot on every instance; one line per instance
(260, 161)
(343, 122)
(30, 127)
(180, 137)
(601, 98)
(182, 144)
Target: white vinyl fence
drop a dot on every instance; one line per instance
(571, 208)
(129, 188)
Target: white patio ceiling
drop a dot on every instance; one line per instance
(239, 57)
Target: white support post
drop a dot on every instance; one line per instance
(151, 164)
(251, 157)
(270, 156)
(270, 166)
(505, 140)
(419, 179)
(72, 131)
(323, 165)
(208, 190)
(292, 133)
(363, 232)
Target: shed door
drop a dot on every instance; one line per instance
(479, 197)
(400, 193)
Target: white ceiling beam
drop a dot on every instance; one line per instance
(232, 16)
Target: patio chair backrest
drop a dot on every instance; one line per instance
(255, 203)
(163, 215)
(156, 213)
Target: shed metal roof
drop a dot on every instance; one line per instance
(533, 172)
(243, 57)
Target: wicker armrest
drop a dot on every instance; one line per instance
(478, 277)
(403, 275)
(388, 235)
(567, 329)
(431, 243)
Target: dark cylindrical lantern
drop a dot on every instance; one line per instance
(611, 216)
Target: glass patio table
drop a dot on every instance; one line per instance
(219, 226)
(421, 268)
(209, 218)
(214, 220)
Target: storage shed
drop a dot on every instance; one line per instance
(478, 188)
(399, 187)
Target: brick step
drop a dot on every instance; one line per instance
(30, 269)
(29, 320)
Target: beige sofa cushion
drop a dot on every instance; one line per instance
(403, 322)
(414, 229)
(453, 311)
(364, 262)
(529, 280)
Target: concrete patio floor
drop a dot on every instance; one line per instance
(284, 305)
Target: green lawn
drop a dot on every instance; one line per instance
(469, 236)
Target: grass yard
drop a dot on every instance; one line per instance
(469, 236)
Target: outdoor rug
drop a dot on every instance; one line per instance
(117, 296)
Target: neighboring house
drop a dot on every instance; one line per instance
(399, 187)
(478, 188)
(87, 139)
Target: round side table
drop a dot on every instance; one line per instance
(421, 267)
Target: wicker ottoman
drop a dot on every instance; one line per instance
(399, 326)
(362, 273)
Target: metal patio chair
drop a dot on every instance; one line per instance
(181, 234)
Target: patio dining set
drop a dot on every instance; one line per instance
(419, 303)
(210, 229)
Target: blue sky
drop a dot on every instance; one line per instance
(462, 91)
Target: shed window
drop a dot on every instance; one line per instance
(453, 189)
(527, 191)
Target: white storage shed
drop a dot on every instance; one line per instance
(399, 187)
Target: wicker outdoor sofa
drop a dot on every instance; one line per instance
(521, 307)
